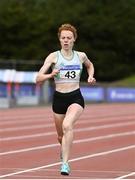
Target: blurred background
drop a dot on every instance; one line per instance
(28, 33)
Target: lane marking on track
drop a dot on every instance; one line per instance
(75, 170)
(72, 160)
(29, 127)
(43, 125)
(127, 175)
(76, 130)
(36, 119)
(75, 142)
(41, 113)
(18, 118)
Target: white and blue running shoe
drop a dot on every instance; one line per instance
(65, 169)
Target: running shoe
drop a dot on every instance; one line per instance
(65, 169)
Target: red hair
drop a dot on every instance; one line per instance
(67, 27)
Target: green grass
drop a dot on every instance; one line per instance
(127, 82)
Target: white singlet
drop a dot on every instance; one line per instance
(70, 70)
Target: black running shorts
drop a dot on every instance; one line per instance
(61, 101)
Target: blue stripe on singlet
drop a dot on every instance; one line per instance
(70, 67)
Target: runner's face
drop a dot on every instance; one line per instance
(66, 39)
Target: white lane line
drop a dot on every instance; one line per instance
(44, 125)
(12, 138)
(18, 118)
(27, 120)
(42, 117)
(72, 160)
(76, 130)
(75, 170)
(29, 127)
(29, 149)
(127, 175)
(109, 136)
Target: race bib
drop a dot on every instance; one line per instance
(70, 72)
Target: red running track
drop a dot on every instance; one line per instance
(104, 143)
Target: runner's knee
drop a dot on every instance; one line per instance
(67, 127)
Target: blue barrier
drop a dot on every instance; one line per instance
(121, 94)
(90, 93)
(3, 90)
(93, 93)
